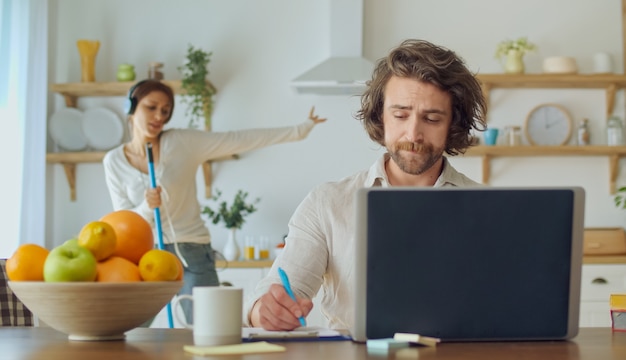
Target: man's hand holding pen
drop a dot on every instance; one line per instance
(275, 310)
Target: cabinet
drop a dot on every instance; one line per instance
(71, 92)
(610, 83)
(599, 281)
(245, 278)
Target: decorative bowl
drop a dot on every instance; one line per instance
(92, 310)
(560, 65)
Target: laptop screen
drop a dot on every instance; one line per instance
(474, 264)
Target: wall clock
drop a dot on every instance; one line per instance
(548, 124)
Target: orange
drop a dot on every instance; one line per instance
(159, 265)
(26, 263)
(117, 269)
(99, 238)
(133, 233)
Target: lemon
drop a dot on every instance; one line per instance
(99, 238)
(159, 265)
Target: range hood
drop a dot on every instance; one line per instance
(346, 71)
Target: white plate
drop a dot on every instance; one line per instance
(102, 128)
(65, 129)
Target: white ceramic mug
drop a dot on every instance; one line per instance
(602, 63)
(217, 314)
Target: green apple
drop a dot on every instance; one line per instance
(72, 241)
(70, 262)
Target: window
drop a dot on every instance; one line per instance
(23, 62)
(10, 184)
(9, 214)
(5, 11)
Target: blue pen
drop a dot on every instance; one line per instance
(285, 280)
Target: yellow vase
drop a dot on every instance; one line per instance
(88, 49)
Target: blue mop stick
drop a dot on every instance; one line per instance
(157, 220)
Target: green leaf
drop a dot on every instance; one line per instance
(521, 44)
(198, 93)
(233, 216)
(620, 198)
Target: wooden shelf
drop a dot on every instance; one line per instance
(521, 151)
(72, 91)
(70, 159)
(553, 81)
(75, 157)
(614, 153)
(610, 82)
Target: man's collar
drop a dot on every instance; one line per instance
(377, 176)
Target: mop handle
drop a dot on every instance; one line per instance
(157, 211)
(157, 221)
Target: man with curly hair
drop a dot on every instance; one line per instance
(422, 101)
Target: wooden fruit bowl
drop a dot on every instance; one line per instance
(93, 310)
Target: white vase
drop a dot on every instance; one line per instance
(231, 249)
(514, 62)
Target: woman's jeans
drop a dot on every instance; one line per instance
(200, 270)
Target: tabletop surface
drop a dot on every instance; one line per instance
(18, 343)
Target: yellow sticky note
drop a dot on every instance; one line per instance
(618, 301)
(256, 347)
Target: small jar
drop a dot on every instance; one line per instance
(614, 131)
(125, 72)
(515, 136)
(583, 132)
(154, 70)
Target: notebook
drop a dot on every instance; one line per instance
(299, 334)
(468, 264)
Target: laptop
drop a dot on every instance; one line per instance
(469, 264)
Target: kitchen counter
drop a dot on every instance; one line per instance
(243, 264)
(248, 264)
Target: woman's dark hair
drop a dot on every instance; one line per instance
(424, 61)
(145, 87)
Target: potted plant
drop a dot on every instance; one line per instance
(233, 217)
(514, 51)
(198, 92)
(620, 198)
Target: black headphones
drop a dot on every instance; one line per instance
(131, 101)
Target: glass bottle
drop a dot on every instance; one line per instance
(505, 138)
(154, 70)
(614, 131)
(515, 136)
(249, 248)
(583, 132)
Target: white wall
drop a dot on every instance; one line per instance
(259, 46)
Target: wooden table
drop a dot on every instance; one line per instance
(18, 343)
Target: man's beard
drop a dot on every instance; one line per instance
(411, 163)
